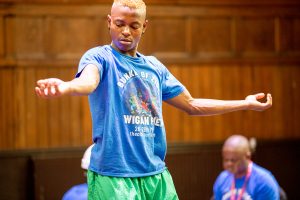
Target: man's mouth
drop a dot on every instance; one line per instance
(125, 41)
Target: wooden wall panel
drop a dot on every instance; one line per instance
(212, 35)
(169, 35)
(66, 35)
(28, 36)
(28, 179)
(235, 82)
(223, 50)
(8, 118)
(290, 29)
(30, 122)
(166, 2)
(62, 118)
(256, 35)
(2, 38)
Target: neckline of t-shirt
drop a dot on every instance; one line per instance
(139, 57)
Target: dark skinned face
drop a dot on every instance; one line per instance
(235, 161)
(126, 27)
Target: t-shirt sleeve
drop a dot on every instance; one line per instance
(171, 87)
(92, 56)
(268, 189)
(220, 181)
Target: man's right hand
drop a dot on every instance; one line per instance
(51, 87)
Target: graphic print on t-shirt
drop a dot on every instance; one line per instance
(245, 196)
(141, 95)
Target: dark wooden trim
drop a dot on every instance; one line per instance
(194, 167)
(101, 10)
(165, 2)
(168, 60)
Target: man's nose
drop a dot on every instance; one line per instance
(227, 164)
(126, 30)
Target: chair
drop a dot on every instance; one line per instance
(282, 194)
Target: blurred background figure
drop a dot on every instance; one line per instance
(242, 179)
(80, 192)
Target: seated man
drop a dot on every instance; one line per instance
(242, 179)
(80, 192)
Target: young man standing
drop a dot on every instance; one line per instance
(126, 90)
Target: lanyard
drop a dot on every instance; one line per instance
(232, 194)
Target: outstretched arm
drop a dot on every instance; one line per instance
(205, 107)
(83, 85)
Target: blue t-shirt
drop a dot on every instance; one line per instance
(77, 192)
(261, 185)
(126, 109)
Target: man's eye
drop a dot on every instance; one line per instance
(135, 27)
(118, 24)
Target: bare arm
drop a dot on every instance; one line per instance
(205, 107)
(83, 85)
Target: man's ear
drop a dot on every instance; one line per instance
(145, 26)
(248, 155)
(108, 21)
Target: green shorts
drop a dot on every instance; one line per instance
(156, 187)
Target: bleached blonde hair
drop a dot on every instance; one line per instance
(135, 4)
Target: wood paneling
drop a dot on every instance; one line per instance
(255, 35)
(16, 177)
(2, 38)
(8, 112)
(220, 35)
(42, 174)
(289, 27)
(235, 82)
(26, 35)
(165, 2)
(218, 49)
(67, 35)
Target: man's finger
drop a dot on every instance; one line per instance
(259, 95)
